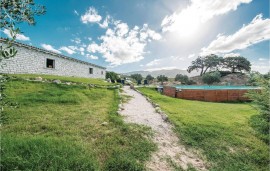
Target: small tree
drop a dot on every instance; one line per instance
(261, 102)
(112, 75)
(238, 63)
(182, 78)
(149, 78)
(211, 77)
(137, 77)
(162, 78)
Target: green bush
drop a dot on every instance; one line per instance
(211, 77)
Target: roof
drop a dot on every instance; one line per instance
(51, 53)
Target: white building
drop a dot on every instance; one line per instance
(33, 60)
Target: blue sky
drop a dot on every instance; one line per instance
(130, 35)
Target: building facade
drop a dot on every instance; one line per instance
(33, 60)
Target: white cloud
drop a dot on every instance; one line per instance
(256, 31)
(262, 59)
(91, 16)
(105, 23)
(76, 40)
(76, 12)
(67, 49)
(91, 56)
(191, 56)
(153, 63)
(199, 11)
(231, 55)
(18, 36)
(121, 45)
(50, 48)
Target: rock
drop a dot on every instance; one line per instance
(155, 105)
(57, 81)
(38, 79)
(104, 123)
(68, 83)
(164, 117)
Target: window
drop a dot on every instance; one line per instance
(101, 72)
(91, 70)
(50, 63)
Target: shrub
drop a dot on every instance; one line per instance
(182, 78)
(211, 77)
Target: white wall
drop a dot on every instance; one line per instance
(32, 61)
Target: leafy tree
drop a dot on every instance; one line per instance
(12, 13)
(260, 99)
(112, 75)
(162, 78)
(237, 63)
(137, 77)
(205, 63)
(211, 77)
(182, 78)
(149, 78)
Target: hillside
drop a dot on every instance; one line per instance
(169, 73)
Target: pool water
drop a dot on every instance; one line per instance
(207, 87)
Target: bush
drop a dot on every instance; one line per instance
(261, 102)
(210, 78)
(182, 78)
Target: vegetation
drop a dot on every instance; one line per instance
(238, 63)
(69, 127)
(204, 63)
(182, 78)
(137, 77)
(112, 75)
(149, 78)
(162, 78)
(211, 77)
(261, 122)
(220, 131)
(213, 62)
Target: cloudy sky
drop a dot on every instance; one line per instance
(131, 35)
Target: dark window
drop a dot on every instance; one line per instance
(101, 72)
(91, 70)
(50, 63)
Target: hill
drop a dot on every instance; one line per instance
(169, 73)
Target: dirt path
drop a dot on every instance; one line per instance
(139, 110)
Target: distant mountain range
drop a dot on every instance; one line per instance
(169, 73)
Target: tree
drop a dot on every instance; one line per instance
(237, 63)
(182, 78)
(204, 63)
(149, 78)
(211, 77)
(112, 75)
(14, 12)
(137, 77)
(162, 78)
(260, 99)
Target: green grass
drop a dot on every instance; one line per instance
(59, 127)
(221, 131)
(63, 79)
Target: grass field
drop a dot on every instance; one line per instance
(61, 127)
(220, 131)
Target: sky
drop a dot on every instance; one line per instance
(134, 35)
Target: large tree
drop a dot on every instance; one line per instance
(149, 78)
(112, 75)
(237, 63)
(12, 13)
(205, 63)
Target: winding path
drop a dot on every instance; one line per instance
(138, 110)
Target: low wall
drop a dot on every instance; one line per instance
(206, 95)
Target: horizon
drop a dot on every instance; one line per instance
(129, 36)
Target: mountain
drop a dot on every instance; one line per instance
(169, 73)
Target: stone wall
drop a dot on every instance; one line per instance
(33, 61)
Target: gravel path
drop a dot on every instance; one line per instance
(138, 110)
